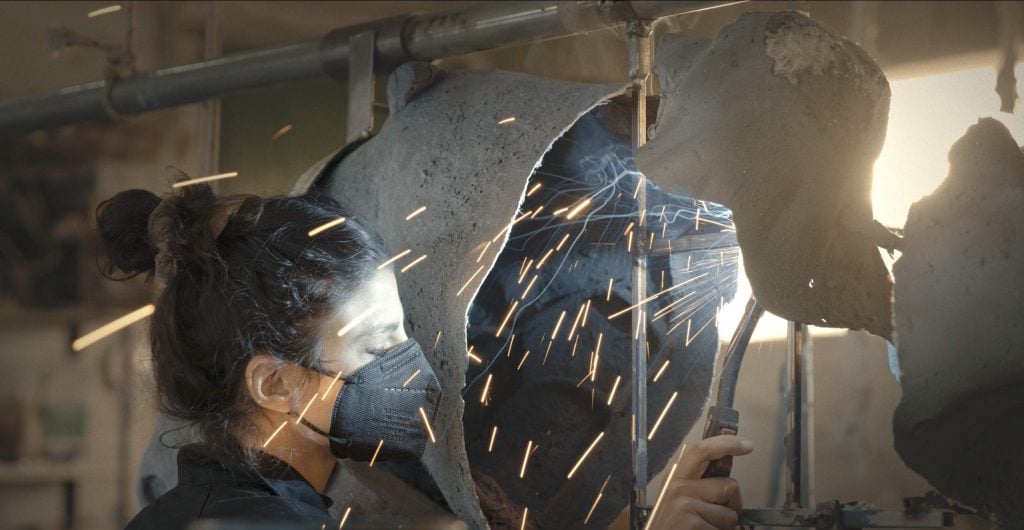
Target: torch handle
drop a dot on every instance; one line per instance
(721, 420)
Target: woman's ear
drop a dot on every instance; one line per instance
(273, 384)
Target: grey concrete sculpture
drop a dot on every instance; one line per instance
(781, 120)
(445, 149)
(959, 316)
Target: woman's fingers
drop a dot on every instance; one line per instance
(722, 491)
(694, 459)
(717, 516)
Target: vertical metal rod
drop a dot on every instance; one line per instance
(639, 71)
(209, 110)
(794, 416)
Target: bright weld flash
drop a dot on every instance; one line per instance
(266, 443)
(413, 263)
(426, 422)
(107, 329)
(355, 321)
(577, 209)
(325, 226)
(585, 453)
(526, 458)
(394, 258)
(191, 182)
(104, 11)
(661, 416)
(415, 212)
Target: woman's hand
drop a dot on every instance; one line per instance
(694, 503)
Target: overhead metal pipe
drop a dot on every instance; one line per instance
(401, 39)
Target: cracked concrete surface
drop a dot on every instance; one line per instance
(959, 317)
(781, 120)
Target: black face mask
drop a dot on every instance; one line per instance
(372, 405)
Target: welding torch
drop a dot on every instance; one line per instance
(722, 418)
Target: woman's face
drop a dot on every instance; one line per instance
(373, 322)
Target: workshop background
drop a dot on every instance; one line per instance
(74, 424)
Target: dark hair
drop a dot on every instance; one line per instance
(263, 286)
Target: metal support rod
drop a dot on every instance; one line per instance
(734, 356)
(794, 416)
(424, 38)
(639, 72)
(209, 110)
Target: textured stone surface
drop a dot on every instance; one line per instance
(781, 120)
(445, 149)
(959, 316)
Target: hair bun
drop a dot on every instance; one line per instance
(123, 223)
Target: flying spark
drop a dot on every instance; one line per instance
(411, 377)
(355, 321)
(600, 493)
(297, 420)
(413, 263)
(661, 416)
(526, 458)
(487, 386)
(533, 189)
(104, 11)
(545, 258)
(522, 525)
(507, 121)
(615, 387)
(482, 252)
(508, 316)
(474, 357)
(394, 258)
(427, 423)
(191, 182)
(577, 209)
(661, 371)
(558, 325)
(528, 287)
(112, 327)
(376, 452)
(494, 434)
(525, 355)
(266, 443)
(281, 132)
(463, 288)
(415, 212)
(664, 488)
(330, 386)
(608, 297)
(325, 226)
(562, 242)
(345, 517)
(585, 453)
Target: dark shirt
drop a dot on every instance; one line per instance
(219, 485)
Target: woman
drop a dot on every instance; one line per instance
(280, 335)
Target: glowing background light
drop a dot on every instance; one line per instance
(926, 116)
